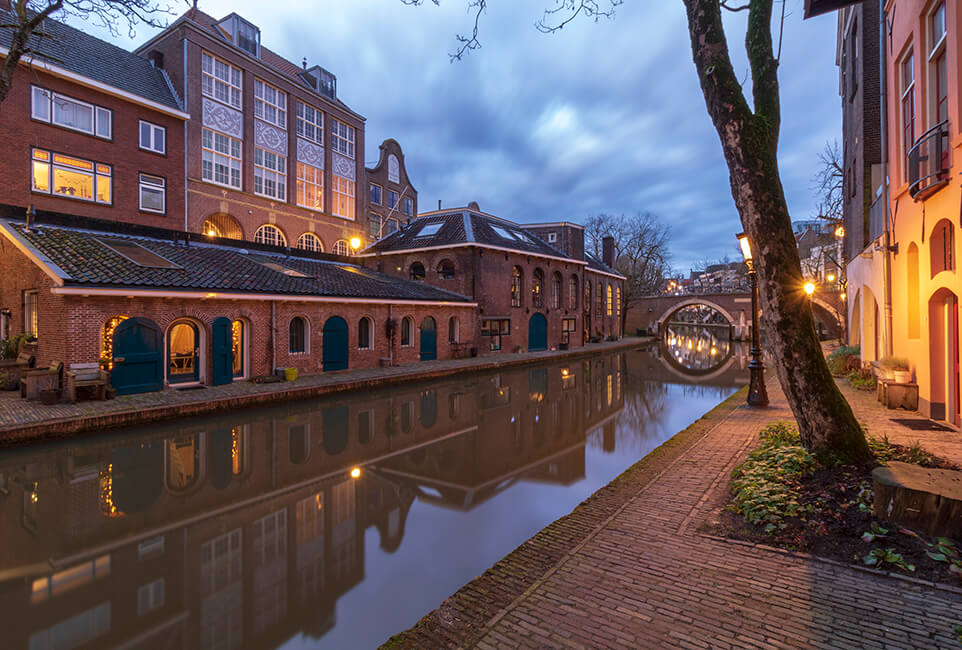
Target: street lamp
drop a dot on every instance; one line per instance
(355, 243)
(809, 288)
(757, 395)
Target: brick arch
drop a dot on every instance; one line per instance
(690, 302)
(223, 225)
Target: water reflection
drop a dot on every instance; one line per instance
(698, 348)
(258, 528)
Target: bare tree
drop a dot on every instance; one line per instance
(25, 21)
(828, 183)
(749, 137)
(641, 252)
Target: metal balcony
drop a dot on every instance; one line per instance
(929, 162)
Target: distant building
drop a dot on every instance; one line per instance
(391, 198)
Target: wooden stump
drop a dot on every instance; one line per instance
(919, 498)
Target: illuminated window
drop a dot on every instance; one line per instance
(270, 174)
(153, 193)
(341, 248)
(608, 301)
(310, 123)
(220, 80)
(587, 300)
(599, 300)
(222, 225)
(69, 579)
(270, 104)
(618, 302)
(537, 289)
(342, 138)
(342, 204)
(568, 327)
(70, 113)
(270, 235)
(516, 286)
(69, 177)
(237, 347)
(310, 242)
(220, 159)
(310, 187)
(31, 312)
(153, 137)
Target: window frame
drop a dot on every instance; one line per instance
(95, 112)
(345, 188)
(97, 172)
(517, 286)
(305, 236)
(302, 123)
(371, 193)
(153, 128)
(341, 244)
(392, 199)
(279, 106)
(407, 204)
(230, 157)
(303, 182)
(272, 227)
(343, 144)
(229, 83)
(367, 343)
(304, 336)
(31, 326)
(263, 173)
(907, 107)
(407, 329)
(372, 219)
(936, 57)
(143, 179)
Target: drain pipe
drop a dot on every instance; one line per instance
(390, 341)
(273, 335)
(887, 234)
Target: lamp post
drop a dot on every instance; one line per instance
(355, 244)
(757, 395)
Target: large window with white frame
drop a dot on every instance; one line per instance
(71, 177)
(221, 159)
(153, 193)
(342, 204)
(342, 138)
(310, 242)
(270, 104)
(270, 174)
(70, 113)
(271, 235)
(938, 74)
(220, 80)
(907, 104)
(310, 187)
(153, 137)
(310, 123)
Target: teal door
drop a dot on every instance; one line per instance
(429, 339)
(222, 344)
(183, 353)
(138, 357)
(334, 353)
(537, 333)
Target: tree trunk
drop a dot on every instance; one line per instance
(750, 143)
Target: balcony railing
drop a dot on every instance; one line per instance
(929, 162)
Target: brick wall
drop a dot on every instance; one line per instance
(379, 176)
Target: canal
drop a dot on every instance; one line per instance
(326, 523)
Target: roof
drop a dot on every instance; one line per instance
(595, 264)
(81, 259)
(88, 56)
(464, 227)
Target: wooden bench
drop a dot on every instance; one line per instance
(14, 369)
(34, 381)
(85, 376)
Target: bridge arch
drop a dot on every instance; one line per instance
(695, 376)
(690, 302)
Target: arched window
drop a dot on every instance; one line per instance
(407, 325)
(573, 292)
(453, 334)
(608, 301)
(942, 247)
(298, 336)
(270, 235)
(556, 290)
(516, 286)
(417, 271)
(222, 225)
(446, 270)
(364, 331)
(340, 247)
(912, 291)
(618, 301)
(237, 336)
(537, 289)
(184, 462)
(310, 242)
(600, 300)
(587, 300)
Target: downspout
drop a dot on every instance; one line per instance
(887, 235)
(184, 55)
(273, 336)
(390, 340)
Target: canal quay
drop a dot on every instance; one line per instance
(327, 522)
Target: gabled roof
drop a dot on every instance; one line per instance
(464, 227)
(595, 264)
(89, 258)
(85, 55)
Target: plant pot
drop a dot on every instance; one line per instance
(49, 396)
(902, 376)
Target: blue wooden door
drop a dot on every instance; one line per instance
(222, 344)
(537, 333)
(138, 357)
(429, 339)
(335, 350)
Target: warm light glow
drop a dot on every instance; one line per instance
(746, 246)
(830, 277)
(840, 232)
(713, 351)
(211, 233)
(843, 295)
(355, 242)
(356, 472)
(564, 372)
(809, 288)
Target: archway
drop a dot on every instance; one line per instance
(222, 224)
(138, 357)
(871, 326)
(855, 321)
(537, 333)
(183, 352)
(944, 356)
(695, 302)
(429, 339)
(335, 344)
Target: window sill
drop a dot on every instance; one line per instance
(162, 154)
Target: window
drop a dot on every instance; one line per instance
(270, 235)
(340, 247)
(297, 336)
(221, 159)
(151, 546)
(516, 286)
(310, 187)
(80, 629)
(220, 80)
(454, 333)
(4, 324)
(153, 137)
(939, 73)
(392, 225)
(552, 237)
(150, 596)
(942, 247)
(69, 579)
(375, 194)
(537, 289)
(408, 206)
(70, 113)
(600, 300)
(495, 329)
(69, 177)
(374, 226)
(270, 174)
(568, 327)
(310, 123)
(364, 332)
(407, 325)
(587, 300)
(608, 301)
(342, 138)
(153, 193)
(573, 292)
(556, 290)
(310, 242)
(908, 108)
(446, 270)
(270, 104)
(618, 302)
(342, 204)
(417, 271)
(429, 230)
(392, 198)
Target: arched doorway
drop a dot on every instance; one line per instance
(429, 339)
(222, 347)
(222, 224)
(537, 333)
(183, 353)
(138, 357)
(335, 344)
(944, 356)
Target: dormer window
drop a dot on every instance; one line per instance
(321, 81)
(242, 33)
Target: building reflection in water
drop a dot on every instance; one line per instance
(245, 529)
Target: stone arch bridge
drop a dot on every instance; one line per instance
(649, 315)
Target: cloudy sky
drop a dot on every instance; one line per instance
(605, 116)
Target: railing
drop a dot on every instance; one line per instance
(876, 215)
(929, 162)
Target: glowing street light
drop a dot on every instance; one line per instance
(840, 232)
(355, 243)
(356, 472)
(757, 395)
(830, 277)
(809, 287)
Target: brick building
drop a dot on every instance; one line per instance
(91, 129)
(392, 200)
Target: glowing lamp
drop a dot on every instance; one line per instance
(211, 233)
(843, 295)
(830, 277)
(746, 247)
(356, 472)
(355, 243)
(809, 287)
(840, 232)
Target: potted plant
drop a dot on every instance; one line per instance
(896, 369)
(518, 349)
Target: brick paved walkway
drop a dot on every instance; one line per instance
(645, 577)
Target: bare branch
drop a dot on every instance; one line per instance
(725, 5)
(571, 9)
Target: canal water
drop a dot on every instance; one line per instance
(334, 522)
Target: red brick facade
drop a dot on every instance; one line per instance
(389, 175)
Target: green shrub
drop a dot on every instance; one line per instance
(843, 360)
(862, 379)
(885, 452)
(779, 433)
(895, 363)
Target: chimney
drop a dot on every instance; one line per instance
(156, 59)
(608, 251)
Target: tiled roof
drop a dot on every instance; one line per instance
(86, 55)
(465, 227)
(85, 261)
(595, 264)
